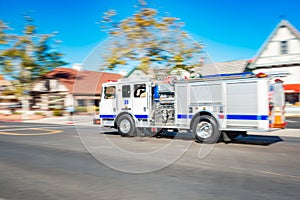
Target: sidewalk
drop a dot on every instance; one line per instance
(84, 120)
(291, 111)
(279, 133)
(17, 117)
(32, 117)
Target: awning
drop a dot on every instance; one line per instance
(87, 97)
(8, 97)
(292, 88)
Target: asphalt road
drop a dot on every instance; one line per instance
(39, 161)
(293, 122)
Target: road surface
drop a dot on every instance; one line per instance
(40, 161)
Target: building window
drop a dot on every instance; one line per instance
(81, 102)
(284, 47)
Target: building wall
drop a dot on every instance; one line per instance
(51, 85)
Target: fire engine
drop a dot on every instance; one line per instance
(224, 105)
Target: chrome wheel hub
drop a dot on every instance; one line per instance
(125, 126)
(204, 130)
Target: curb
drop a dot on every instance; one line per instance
(11, 120)
(286, 132)
(291, 115)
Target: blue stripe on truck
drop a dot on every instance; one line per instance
(141, 116)
(107, 116)
(247, 117)
(232, 117)
(114, 116)
(184, 116)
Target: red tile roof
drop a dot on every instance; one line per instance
(83, 82)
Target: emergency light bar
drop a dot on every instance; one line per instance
(238, 75)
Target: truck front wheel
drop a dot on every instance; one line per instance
(126, 126)
(205, 129)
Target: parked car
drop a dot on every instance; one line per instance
(13, 107)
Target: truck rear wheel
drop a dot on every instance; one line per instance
(205, 129)
(126, 126)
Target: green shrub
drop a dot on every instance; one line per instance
(39, 113)
(16, 113)
(58, 113)
(80, 109)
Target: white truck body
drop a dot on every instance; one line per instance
(225, 104)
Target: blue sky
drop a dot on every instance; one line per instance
(230, 29)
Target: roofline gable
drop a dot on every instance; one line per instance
(267, 41)
(291, 27)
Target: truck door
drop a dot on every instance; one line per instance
(244, 101)
(140, 101)
(108, 103)
(181, 112)
(124, 98)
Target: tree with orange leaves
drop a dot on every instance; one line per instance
(147, 40)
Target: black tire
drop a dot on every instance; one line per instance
(126, 126)
(205, 129)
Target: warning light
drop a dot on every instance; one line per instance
(277, 80)
(261, 75)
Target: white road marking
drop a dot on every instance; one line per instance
(290, 121)
(43, 132)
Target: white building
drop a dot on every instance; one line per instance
(280, 54)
